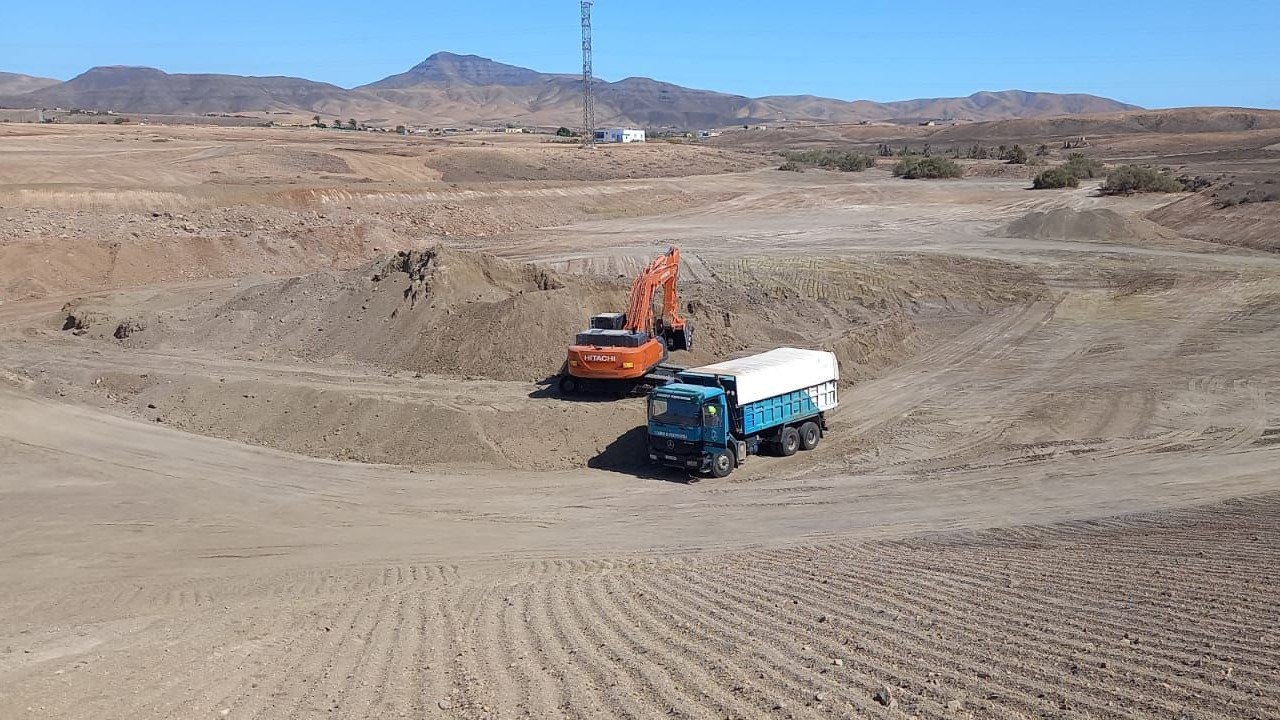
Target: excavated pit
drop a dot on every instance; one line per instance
(441, 357)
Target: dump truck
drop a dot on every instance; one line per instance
(621, 351)
(711, 418)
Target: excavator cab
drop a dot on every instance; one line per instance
(619, 351)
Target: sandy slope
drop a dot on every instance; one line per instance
(1051, 490)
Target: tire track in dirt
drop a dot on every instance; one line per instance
(674, 672)
(762, 682)
(784, 674)
(619, 689)
(1034, 668)
(536, 694)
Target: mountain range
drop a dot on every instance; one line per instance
(470, 90)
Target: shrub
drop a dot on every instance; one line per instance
(1128, 179)
(830, 159)
(1056, 178)
(1082, 167)
(1016, 155)
(564, 132)
(919, 167)
(853, 162)
(791, 166)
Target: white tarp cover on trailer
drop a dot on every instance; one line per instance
(776, 372)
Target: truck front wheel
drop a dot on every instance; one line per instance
(809, 436)
(789, 443)
(722, 464)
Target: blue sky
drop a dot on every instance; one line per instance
(1153, 53)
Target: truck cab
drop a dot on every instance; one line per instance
(689, 427)
(714, 416)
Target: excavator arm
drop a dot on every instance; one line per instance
(663, 273)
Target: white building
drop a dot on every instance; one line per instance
(619, 135)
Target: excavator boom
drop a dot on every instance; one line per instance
(661, 273)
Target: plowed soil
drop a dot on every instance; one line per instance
(336, 482)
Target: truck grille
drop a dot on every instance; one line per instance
(671, 446)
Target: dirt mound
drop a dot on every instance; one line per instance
(1099, 225)
(435, 311)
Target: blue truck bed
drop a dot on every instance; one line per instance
(779, 409)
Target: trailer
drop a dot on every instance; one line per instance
(713, 417)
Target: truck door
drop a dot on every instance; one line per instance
(715, 423)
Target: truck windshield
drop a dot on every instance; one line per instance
(674, 411)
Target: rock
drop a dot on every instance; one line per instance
(955, 705)
(75, 322)
(127, 328)
(445, 705)
(884, 696)
(838, 662)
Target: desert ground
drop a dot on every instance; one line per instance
(278, 437)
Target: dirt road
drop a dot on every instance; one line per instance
(1052, 489)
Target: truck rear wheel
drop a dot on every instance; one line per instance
(810, 435)
(722, 464)
(789, 442)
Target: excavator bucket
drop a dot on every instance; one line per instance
(679, 338)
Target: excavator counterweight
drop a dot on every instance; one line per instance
(623, 350)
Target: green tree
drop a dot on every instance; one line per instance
(352, 123)
(564, 132)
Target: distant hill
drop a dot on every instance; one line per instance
(494, 91)
(147, 90)
(16, 84)
(447, 88)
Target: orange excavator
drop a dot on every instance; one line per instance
(621, 351)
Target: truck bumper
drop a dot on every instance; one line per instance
(700, 463)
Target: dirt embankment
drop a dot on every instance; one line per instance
(564, 161)
(1244, 218)
(466, 338)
